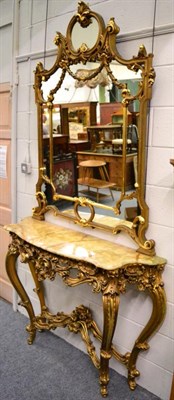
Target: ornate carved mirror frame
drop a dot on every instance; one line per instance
(103, 52)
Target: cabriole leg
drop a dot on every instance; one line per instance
(11, 268)
(110, 309)
(157, 316)
(39, 287)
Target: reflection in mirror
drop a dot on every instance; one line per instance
(95, 126)
(92, 108)
(87, 37)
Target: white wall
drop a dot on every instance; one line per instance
(6, 18)
(135, 19)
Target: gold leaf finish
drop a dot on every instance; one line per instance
(104, 53)
(108, 268)
(76, 256)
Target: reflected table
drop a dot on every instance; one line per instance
(80, 258)
(87, 178)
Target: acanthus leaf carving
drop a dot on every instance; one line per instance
(47, 265)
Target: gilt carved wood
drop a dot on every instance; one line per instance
(103, 54)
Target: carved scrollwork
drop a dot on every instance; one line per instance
(79, 321)
(47, 265)
(83, 15)
(111, 283)
(152, 76)
(142, 346)
(72, 59)
(143, 276)
(142, 51)
(39, 212)
(112, 27)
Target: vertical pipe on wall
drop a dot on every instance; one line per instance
(14, 93)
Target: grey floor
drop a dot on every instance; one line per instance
(50, 369)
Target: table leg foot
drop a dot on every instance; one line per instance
(110, 309)
(104, 374)
(132, 374)
(32, 333)
(158, 312)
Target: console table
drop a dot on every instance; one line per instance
(80, 258)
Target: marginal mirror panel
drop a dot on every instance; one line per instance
(92, 112)
(88, 36)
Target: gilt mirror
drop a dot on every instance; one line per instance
(92, 110)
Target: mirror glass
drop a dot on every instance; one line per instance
(86, 36)
(104, 136)
(92, 111)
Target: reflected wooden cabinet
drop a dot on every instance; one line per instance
(101, 136)
(112, 113)
(60, 145)
(80, 115)
(114, 167)
(106, 111)
(70, 135)
(74, 118)
(78, 145)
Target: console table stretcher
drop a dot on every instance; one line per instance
(49, 249)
